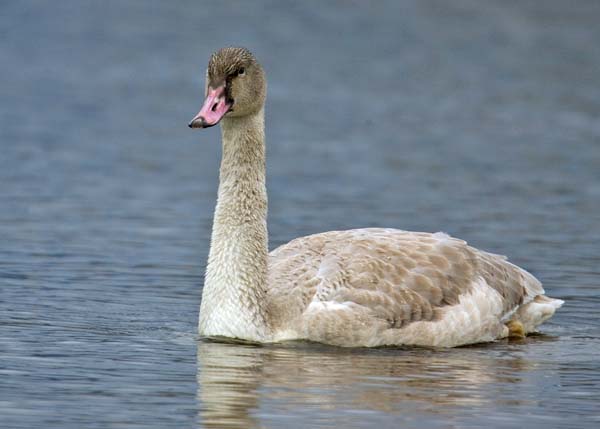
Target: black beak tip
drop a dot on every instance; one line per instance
(198, 123)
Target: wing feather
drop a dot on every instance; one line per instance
(395, 276)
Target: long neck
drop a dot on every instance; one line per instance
(233, 298)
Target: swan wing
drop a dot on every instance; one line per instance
(352, 286)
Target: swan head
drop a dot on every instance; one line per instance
(235, 86)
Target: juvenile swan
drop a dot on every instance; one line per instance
(362, 287)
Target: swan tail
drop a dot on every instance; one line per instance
(528, 317)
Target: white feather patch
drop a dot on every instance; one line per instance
(328, 305)
(476, 318)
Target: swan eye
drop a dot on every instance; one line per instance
(241, 71)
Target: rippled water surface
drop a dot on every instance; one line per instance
(480, 119)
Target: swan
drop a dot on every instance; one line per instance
(356, 288)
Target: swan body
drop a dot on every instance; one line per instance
(363, 287)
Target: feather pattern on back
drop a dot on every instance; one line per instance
(386, 278)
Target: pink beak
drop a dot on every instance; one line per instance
(214, 108)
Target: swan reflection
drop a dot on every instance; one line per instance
(244, 386)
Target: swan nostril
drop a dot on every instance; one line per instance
(214, 107)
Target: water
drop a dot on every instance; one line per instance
(476, 118)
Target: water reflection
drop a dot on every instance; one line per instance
(235, 381)
(228, 377)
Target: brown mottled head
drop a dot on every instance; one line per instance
(235, 86)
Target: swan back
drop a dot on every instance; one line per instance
(388, 279)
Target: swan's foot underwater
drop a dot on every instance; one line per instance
(515, 329)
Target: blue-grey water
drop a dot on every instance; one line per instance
(478, 118)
